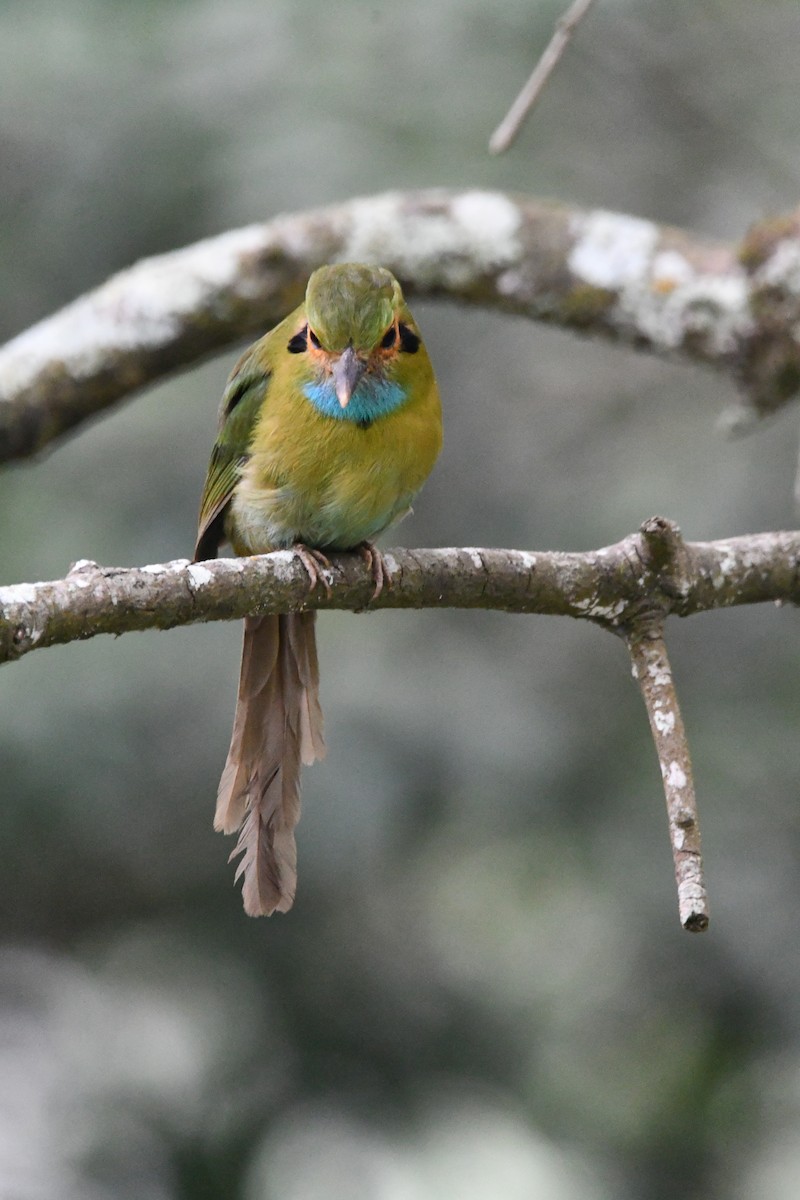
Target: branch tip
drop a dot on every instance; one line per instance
(662, 542)
(664, 552)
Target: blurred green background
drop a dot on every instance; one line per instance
(483, 990)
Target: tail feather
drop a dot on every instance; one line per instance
(304, 651)
(278, 725)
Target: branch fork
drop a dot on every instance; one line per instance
(629, 589)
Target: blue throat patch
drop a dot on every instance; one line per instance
(372, 399)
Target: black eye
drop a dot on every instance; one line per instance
(314, 339)
(389, 338)
(409, 341)
(297, 344)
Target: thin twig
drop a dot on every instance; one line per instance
(511, 124)
(651, 669)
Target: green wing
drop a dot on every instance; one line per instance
(239, 410)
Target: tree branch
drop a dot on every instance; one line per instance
(609, 587)
(629, 588)
(732, 307)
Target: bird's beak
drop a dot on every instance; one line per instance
(347, 371)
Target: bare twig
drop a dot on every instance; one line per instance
(651, 669)
(733, 307)
(512, 122)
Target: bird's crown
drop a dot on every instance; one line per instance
(351, 304)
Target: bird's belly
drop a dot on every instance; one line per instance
(339, 516)
(263, 519)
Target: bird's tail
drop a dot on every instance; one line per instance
(278, 725)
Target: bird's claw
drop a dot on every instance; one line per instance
(315, 562)
(377, 566)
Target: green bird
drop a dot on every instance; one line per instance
(329, 425)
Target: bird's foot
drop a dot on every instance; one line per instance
(377, 566)
(315, 563)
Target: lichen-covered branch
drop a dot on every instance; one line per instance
(610, 587)
(733, 307)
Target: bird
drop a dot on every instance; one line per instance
(328, 427)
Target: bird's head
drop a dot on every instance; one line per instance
(354, 324)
